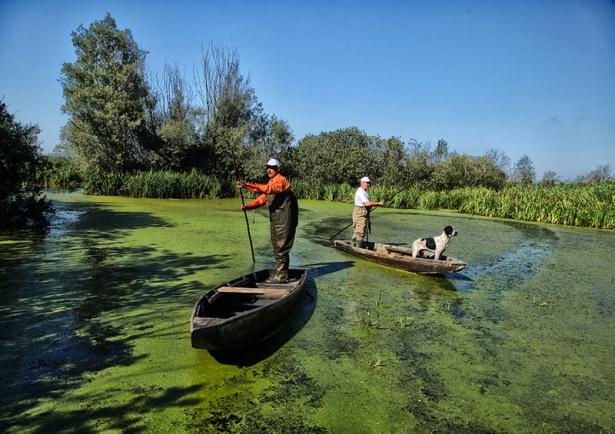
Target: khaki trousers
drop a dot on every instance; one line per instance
(359, 222)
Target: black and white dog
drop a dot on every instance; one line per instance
(436, 245)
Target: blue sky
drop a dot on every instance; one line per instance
(522, 77)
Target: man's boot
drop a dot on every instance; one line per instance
(278, 275)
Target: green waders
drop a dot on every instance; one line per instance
(283, 218)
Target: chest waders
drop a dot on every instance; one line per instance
(283, 220)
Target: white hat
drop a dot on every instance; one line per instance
(273, 162)
(366, 179)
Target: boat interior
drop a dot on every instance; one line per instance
(245, 294)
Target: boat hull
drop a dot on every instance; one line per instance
(400, 258)
(224, 321)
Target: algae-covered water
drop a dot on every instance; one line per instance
(94, 326)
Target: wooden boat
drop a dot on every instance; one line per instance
(244, 311)
(400, 257)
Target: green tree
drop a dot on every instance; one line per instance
(501, 159)
(441, 151)
(174, 121)
(523, 171)
(269, 137)
(394, 162)
(419, 166)
(549, 178)
(227, 135)
(465, 170)
(21, 165)
(236, 130)
(341, 156)
(107, 98)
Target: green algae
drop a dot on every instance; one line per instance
(94, 326)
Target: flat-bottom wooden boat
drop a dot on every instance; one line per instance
(400, 257)
(244, 311)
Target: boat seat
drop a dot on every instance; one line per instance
(253, 291)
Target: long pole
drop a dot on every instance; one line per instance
(368, 212)
(243, 204)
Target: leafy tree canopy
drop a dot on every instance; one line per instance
(465, 170)
(106, 97)
(341, 156)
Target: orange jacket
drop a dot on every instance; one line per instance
(277, 184)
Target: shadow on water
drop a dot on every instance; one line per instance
(251, 355)
(121, 418)
(324, 268)
(322, 230)
(54, 326)
(458, 276)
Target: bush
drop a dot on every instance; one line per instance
(21, 203)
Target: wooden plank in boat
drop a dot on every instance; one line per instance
(253, 291)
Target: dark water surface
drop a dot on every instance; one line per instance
(94, 326)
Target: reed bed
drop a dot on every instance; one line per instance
(586, 205)
(61, 175)
(158, 184)
(591, 205)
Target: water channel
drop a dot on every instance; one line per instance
(94, 326)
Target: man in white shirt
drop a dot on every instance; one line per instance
(360, 214)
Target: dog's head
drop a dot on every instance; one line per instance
(450, 232)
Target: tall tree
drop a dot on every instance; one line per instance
(174, 121)
(500, 159)
(106, 97)
(269, 137)
(524, 171)
(236, 128)
(394, 162)
(441, 151)
(419, 166)
(227, 108)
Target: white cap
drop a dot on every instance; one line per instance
(273, 162)
(366, 179)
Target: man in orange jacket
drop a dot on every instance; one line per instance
(283, 216)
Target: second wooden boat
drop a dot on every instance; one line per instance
(400, 257)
